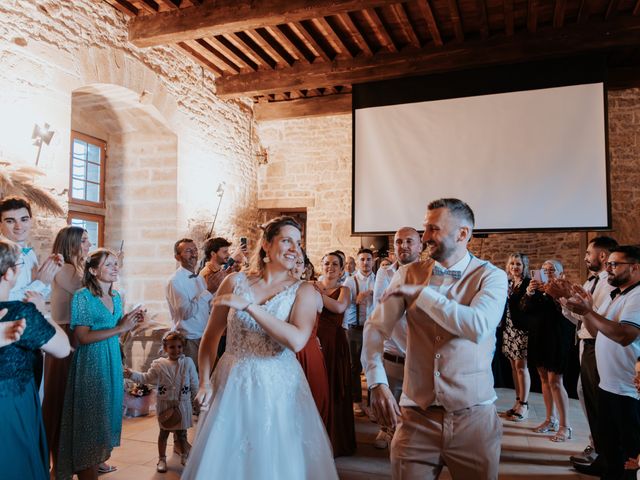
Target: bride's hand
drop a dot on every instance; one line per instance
(232, 301)
(204, 395)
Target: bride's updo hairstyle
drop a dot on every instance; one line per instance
(269, 232)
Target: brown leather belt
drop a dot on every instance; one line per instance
(393, 358)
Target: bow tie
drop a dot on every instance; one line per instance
(193, 275)
(26, 250)
(443, 271)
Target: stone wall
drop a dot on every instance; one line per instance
(171, 141)
(310, 160)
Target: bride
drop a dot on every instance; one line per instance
(262, 422)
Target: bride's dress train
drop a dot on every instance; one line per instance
(263, 422)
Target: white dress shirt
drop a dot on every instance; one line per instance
(600, 295)
(24, 283)
(396, 344)
(189, 302)
(616, 364)
(364, 284)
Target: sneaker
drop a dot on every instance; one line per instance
(382, 440)
(357, 410)
(587, 457)
(162, 465)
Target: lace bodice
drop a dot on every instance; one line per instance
(245, 337)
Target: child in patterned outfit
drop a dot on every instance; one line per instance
(177, 383)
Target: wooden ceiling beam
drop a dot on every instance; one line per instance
(636, 9)
(229, 16)
(251, 49)
(402, 18)
(311, 41)
(212, 55)
(612, 9)
(334, 38)
(432, 25)
(380, 30)
(558, 13)
(149, 6)
(532, 16)
(266, 42)
(525, 46)
(356, 35)
(305, 107)
(456, 21)
(483, 21)
(287, 37)
(583, 11)
(169, 4)
(124, 6)
(232, 52)
(200, 59)
(508, 17)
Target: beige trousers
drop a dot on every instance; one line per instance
(466, 441)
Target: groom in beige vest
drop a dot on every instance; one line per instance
(453, 302)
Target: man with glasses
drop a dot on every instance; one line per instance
(616, 326)
(188, 297)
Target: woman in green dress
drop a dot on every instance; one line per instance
(24, 454)
(92, 414)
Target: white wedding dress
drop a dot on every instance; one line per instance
(263, 422)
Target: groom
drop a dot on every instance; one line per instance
(453, 302)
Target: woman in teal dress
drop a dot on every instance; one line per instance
(24, 454)
(92, 415)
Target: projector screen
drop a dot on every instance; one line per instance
(523, 160)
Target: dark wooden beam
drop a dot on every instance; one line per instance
(356, 35)
(558, 13)
(200, 58)
(483, 22)
(124, 6)
(303, 107)
(311, 42)
(401, 15)
(454, 11)
(149, 6)
(525, 46)
(380, 31)
(532, 15)
(287, 37)
(338, 45)
(583, 11)
(229, 16)
(233, 53)
(636, 9)
(508, 17)
(612, 9)
(432, 25)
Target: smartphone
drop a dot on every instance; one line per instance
(229, 263)
(539, 276)
(243, 243)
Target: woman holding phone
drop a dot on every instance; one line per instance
(550, 335)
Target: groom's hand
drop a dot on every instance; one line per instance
(384, 406)
(204, 395)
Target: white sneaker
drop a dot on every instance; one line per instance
(382, 440)
(161, 467)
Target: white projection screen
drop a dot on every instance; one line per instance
(523, 160)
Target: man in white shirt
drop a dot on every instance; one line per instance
(188, 297)
(453, 304)
(360, 284)
(616, 327)
(408, 247)
(595, 257)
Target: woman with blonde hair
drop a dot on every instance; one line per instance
(262, 421)
(515, 336)
(550, 335)
(72, 244)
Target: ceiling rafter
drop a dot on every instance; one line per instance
(288, 37)
(432, 25)
(230, 16)
(234, 53)
(169, 4)
(456, 21)
(271, 47)
(356, 35)
(508, 17)
(379, 29)
(311, 42)
(241, 44)
(532, 15)
(148, 6)
(546, 43)
(612, 9)
(200, 59)
(583, 11)
(405, 24)
(558, 13)
(483, 21)
(331, 32)
(124, 6)
(213, 56)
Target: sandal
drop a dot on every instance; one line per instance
(106, 468)
(512, 410)
(521, 413)
(564, 434)
(549, 425)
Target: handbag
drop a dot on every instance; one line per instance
(171, 418)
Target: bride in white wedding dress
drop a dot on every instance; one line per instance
(261, 422)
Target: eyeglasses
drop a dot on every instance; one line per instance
(615, 264)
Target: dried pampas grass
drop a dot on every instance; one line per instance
(20, 181)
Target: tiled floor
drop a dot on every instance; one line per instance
(525, 455)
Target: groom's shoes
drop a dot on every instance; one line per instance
(595, 469)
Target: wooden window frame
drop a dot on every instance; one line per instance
(91, 217)
(103, 166)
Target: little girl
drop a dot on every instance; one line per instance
(177, 384)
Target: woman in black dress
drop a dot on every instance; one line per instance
(515, 335)
(550, 335)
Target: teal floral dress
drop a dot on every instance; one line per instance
(92, 416)
(24, 454)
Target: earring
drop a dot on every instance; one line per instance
(266, 259)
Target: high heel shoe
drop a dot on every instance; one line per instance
(564, 434)
(521, 412)
(512, 410)
(549, 425)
